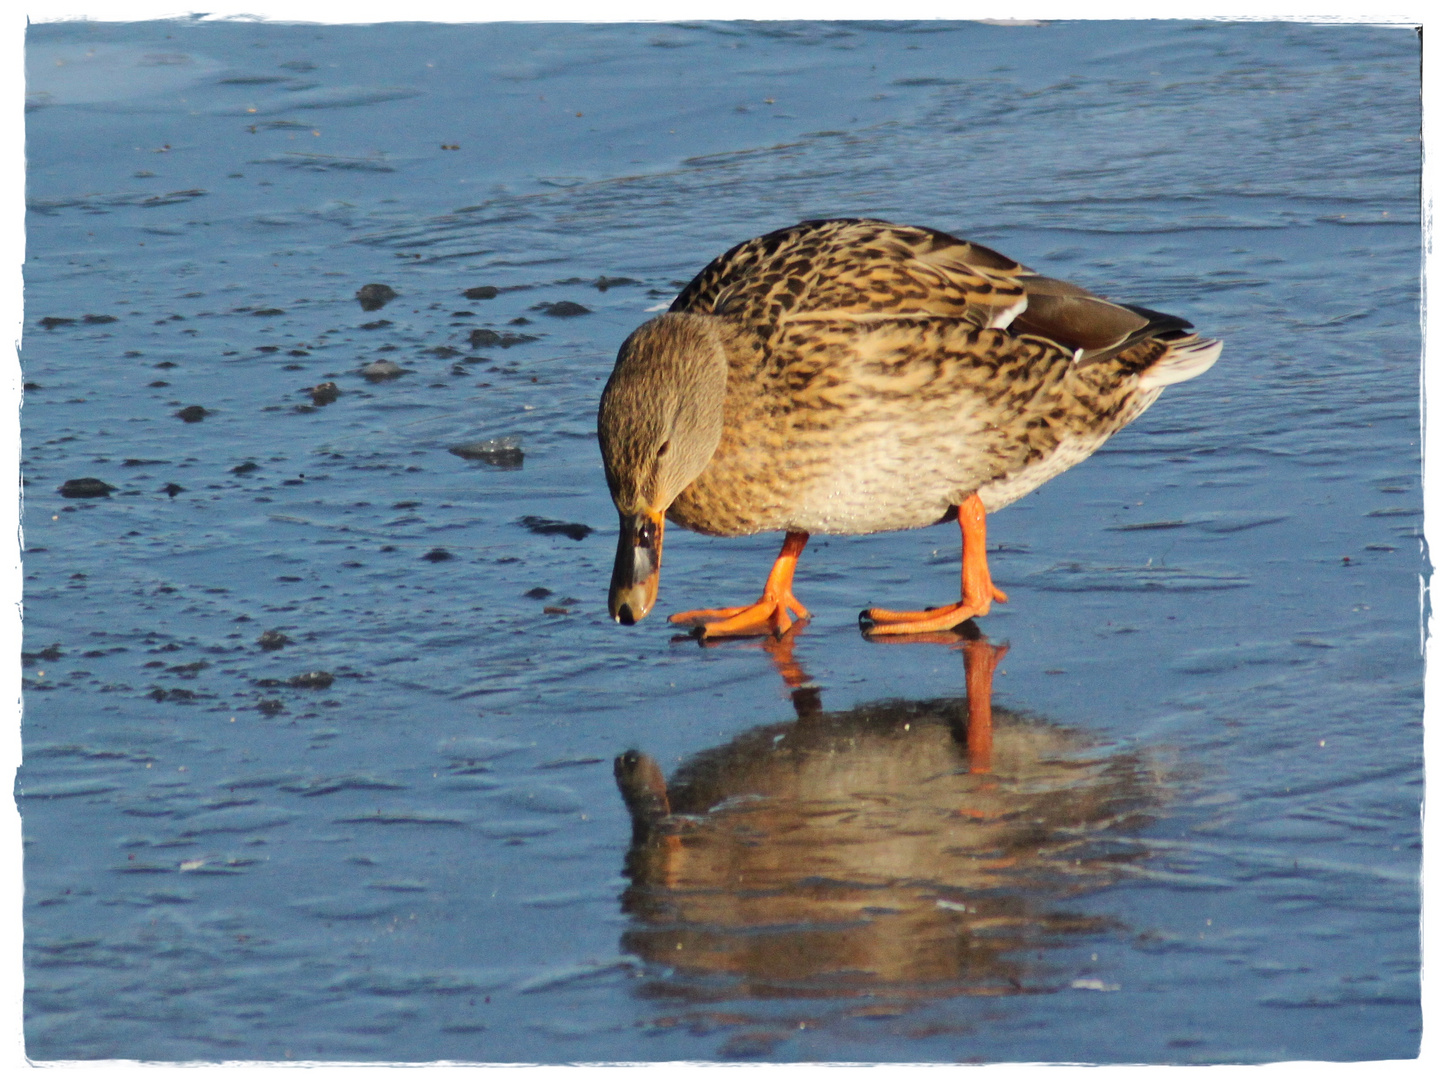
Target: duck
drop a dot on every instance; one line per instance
(849, 376)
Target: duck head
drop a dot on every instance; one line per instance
(659, 422)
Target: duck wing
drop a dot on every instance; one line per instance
(865, 269)
(860, 268)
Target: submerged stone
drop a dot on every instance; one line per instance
(86, 487)
(374, 297)
(500, 453)
(548, 527)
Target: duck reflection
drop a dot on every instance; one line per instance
(908, 848)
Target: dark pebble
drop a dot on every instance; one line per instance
(562, 309)
(604, 283)
(98, 319)
(173, 490)
(481, 292)
(547, 527)
(270, 706)
(157, 384)
(324, 393)
(376, 324)
(50, 322)
(375, 297)
(175, 694)
(269, 311)
(438, 555)
(193, 414)
(446, 352)
(86, 487)
(272, 640)
(487, 339)
(312, 680)
(556, 611)
(245, 467)
(501, 453)
(33, 386)
(539, 593)
(381, 370)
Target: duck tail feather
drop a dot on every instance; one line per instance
(1183, 361)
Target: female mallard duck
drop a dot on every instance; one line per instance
(854, 376)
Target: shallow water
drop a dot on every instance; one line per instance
(1212, 694)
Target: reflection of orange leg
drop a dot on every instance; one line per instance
(978, 588)
(672, 854)
(770, 614)
(780, 649)
(979, 660)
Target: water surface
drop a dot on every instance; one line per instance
(397, 835)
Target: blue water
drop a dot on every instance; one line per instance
(1212, 695)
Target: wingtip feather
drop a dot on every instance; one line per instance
(1182, 362)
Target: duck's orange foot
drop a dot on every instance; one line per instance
(768, 616)
(882, 622)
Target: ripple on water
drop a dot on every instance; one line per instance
(1082, 577)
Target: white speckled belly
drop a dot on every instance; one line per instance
(881, 483)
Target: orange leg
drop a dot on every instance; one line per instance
(978, 588)
(770, 614)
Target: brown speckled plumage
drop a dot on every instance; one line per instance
(876, 376)
(869, 390)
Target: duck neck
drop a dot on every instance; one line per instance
(699, 382)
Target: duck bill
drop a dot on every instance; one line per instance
(638, 565)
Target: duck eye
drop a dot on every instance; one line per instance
(663, 448)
